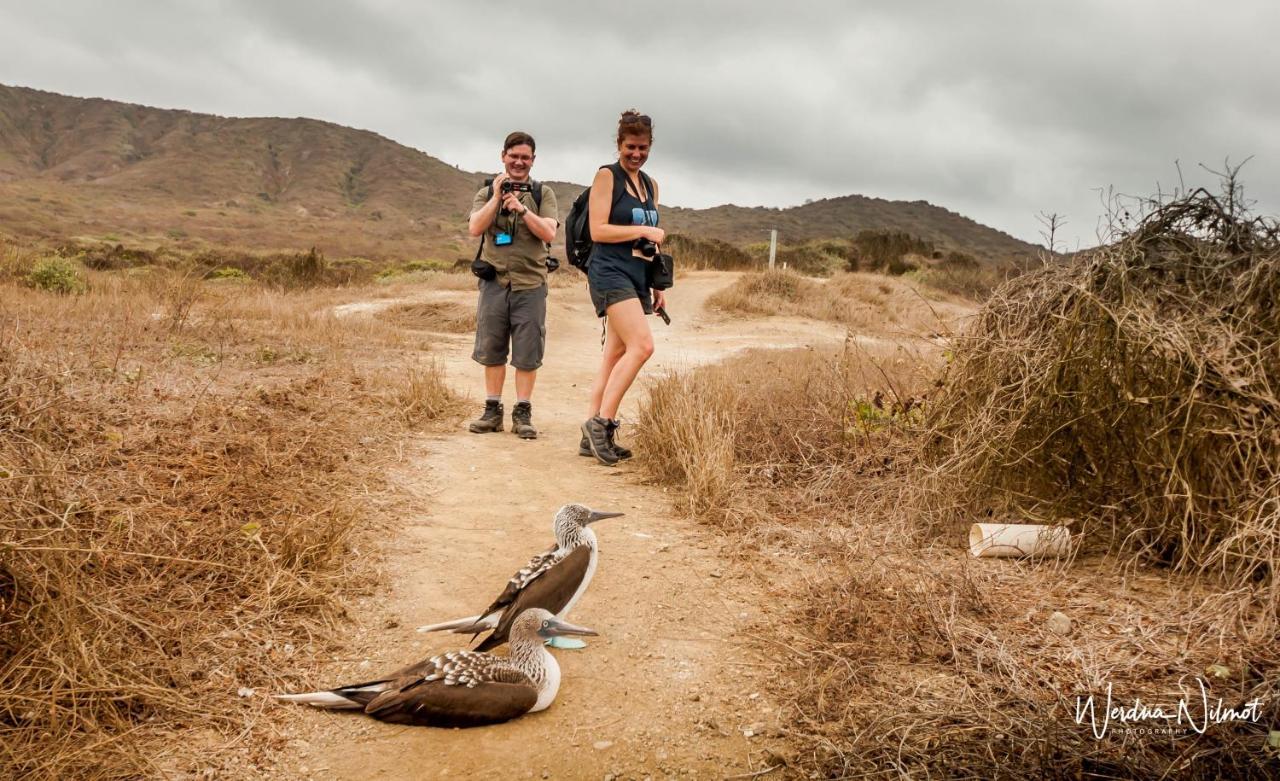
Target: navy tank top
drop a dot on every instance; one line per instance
(627, 210)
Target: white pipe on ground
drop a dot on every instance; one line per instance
(1012, 539)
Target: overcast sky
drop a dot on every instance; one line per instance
(996, 110)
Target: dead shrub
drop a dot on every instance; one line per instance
(1134, 390)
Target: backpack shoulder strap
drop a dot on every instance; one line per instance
(619, 183)
(648, 186)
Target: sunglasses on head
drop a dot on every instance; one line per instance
(642, 119)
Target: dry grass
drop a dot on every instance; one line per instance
(441, 316)
(178, 501)
(815, 423)
(900, 656)
(866, 302)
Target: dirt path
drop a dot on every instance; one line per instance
(668, 688)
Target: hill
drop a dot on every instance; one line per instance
(98, 169)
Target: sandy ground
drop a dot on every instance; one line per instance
(669, 688)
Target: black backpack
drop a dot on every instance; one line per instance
(577, 227)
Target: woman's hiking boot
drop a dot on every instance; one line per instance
(490, 420)
(612, 429)
(522, 421)
(595, 433)
(584, 447)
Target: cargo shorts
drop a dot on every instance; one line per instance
(515, 318)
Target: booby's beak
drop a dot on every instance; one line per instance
(557, 628)
(596, 515)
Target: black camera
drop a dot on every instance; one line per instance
(645, 247)
(509, 186)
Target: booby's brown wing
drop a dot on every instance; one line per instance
(551, 591)
(457, 689)
(536, 566)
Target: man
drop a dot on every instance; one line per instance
(516, 227)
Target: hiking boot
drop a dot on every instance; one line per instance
(522, 421)
(490, 420)
(584, 447)
(612, 429)
(595, 433)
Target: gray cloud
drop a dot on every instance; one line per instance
(996, 110)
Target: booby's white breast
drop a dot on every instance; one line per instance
(551, 671)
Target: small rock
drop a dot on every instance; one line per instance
(715, 574)
(1059, 624)
(245, 691)
(601, 745)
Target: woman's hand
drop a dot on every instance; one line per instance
(656, 235)
(659, 300)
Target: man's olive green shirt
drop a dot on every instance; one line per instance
(521, 264)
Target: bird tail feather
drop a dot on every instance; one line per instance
(328, 700)
(463, 626)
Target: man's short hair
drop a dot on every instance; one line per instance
(517, 138)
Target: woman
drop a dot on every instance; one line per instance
(623, 215)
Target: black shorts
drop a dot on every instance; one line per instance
(510, 317)
(611, 281)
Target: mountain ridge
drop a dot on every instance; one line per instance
(100, 168)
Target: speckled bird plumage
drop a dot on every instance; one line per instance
(554, 579)
(462, 688)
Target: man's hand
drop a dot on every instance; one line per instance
(497, 183)
(512, 204)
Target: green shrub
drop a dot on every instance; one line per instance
(227, 272)
(56, 275)
(883, 250)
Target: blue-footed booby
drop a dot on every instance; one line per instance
(553, 580)
(462, 688)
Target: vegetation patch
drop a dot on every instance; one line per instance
(1128, 395)
(172, 524)
(867, 303)
(1135, 390)
(56, 275)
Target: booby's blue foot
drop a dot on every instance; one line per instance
(567, 643)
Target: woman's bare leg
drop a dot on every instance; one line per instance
(626, 321)
(613, 350)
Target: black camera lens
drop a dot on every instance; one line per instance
(646, 247)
